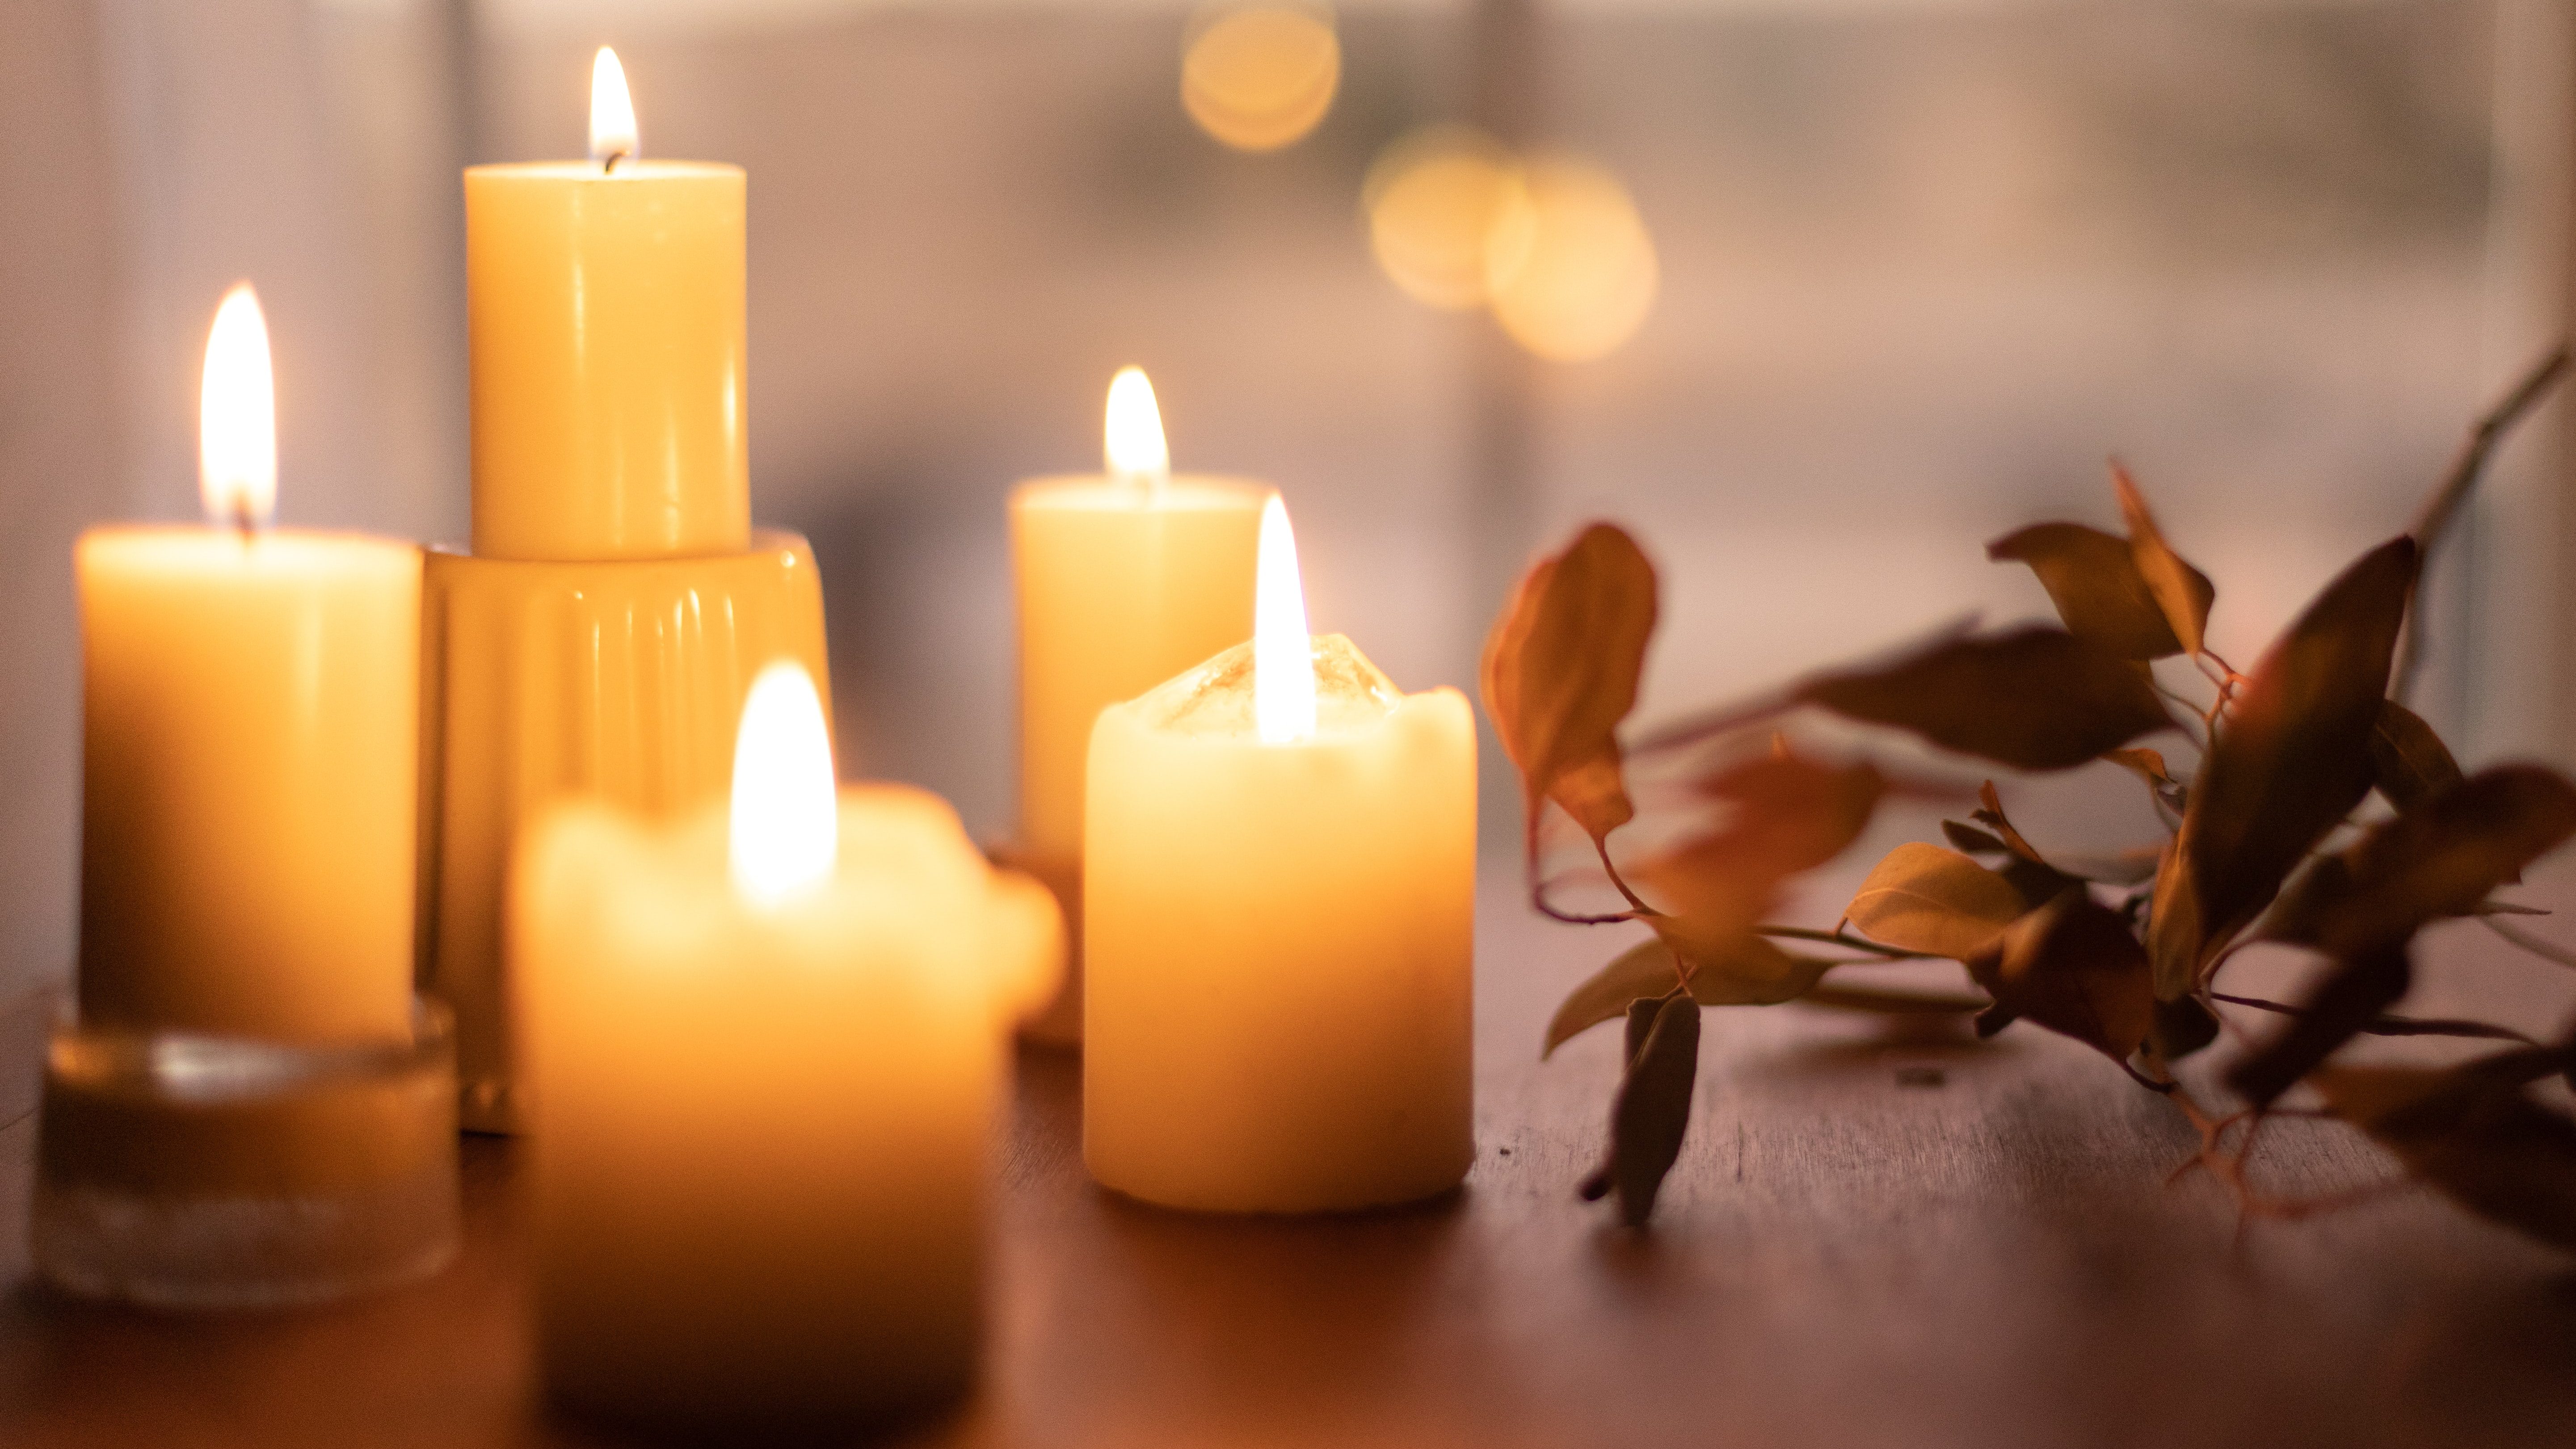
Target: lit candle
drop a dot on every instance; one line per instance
(251, 712)
(601, 636)
(1279, 927)
(1125, 579)
(605, 306)
(764, 1048)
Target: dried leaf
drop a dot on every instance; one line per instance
(1646, 969)
(1746, 971)
(1939, 902)
(2036, 698)
(2073, 967)
(2181, 1027)
(2473, 1133)
(1640, 1025)
(2092, 577)
(1560, 672)
(1788, 815)
(2292, 758)
(1653, 1111)
(2408, 762)
(2346, 1003)
(2438, 859)
(2182, 592)
(2147, 765)
(1972, 840)
(2028, 871)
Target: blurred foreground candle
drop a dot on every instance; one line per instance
(1279, 925)
(764, 1052)
(250, 727)
(1125, 579)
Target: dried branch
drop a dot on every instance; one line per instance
(2466, 468)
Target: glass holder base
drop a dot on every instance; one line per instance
(205, 1173)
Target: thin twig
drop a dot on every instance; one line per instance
(2444, 506)
(2536, 946)
(1837, 938)
(2394, 1025)
(1601, 847)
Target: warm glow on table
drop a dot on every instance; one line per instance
(250, 713)
(1279, 930)
(764, 1061)
(605, 303)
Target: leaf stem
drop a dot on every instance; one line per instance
(2536, 946)
(2392, 1025)
(1839, 938)
(1601, 847)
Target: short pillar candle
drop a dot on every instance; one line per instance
(765, 1051)
(1279, 919)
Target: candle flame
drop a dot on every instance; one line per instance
(786, 814)
(237, 415)
(1133, 436)
(1283, 656)
(612, 111)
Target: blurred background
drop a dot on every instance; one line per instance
(1814, 295)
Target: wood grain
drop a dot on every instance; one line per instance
(1877, 1237)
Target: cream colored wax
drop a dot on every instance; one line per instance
(1124, 579)
(250, 750)
(1278, 938)
(604, 303)
(759, 1128)
(251, 717)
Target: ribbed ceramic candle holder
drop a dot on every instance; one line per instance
(541, 680)
(204, 1172)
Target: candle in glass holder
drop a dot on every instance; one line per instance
(250, 725)
(764, 1050)
(1279, 923)
(1124, 579)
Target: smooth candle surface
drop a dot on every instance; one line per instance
(605, 308)
(249, 782)
(759, 1135)
(1279, 942)
(1122, 584)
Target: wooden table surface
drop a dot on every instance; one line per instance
(1875, 1238)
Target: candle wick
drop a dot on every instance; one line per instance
(245, 522)
(608, 167)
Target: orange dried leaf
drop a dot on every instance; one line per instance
(1939, 902)
(2092, 577)
(1560, 672)
(2439, 859)
(1788, 815)
(2037, 698)
(2291, 759)
(2474, 1133)
(2408, 761)
(2182, 592)
(2073, 967)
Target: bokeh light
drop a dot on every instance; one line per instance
(1258, 76)
(1570, 271)
(1433, 199)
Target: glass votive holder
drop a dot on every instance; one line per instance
(202, 1172)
